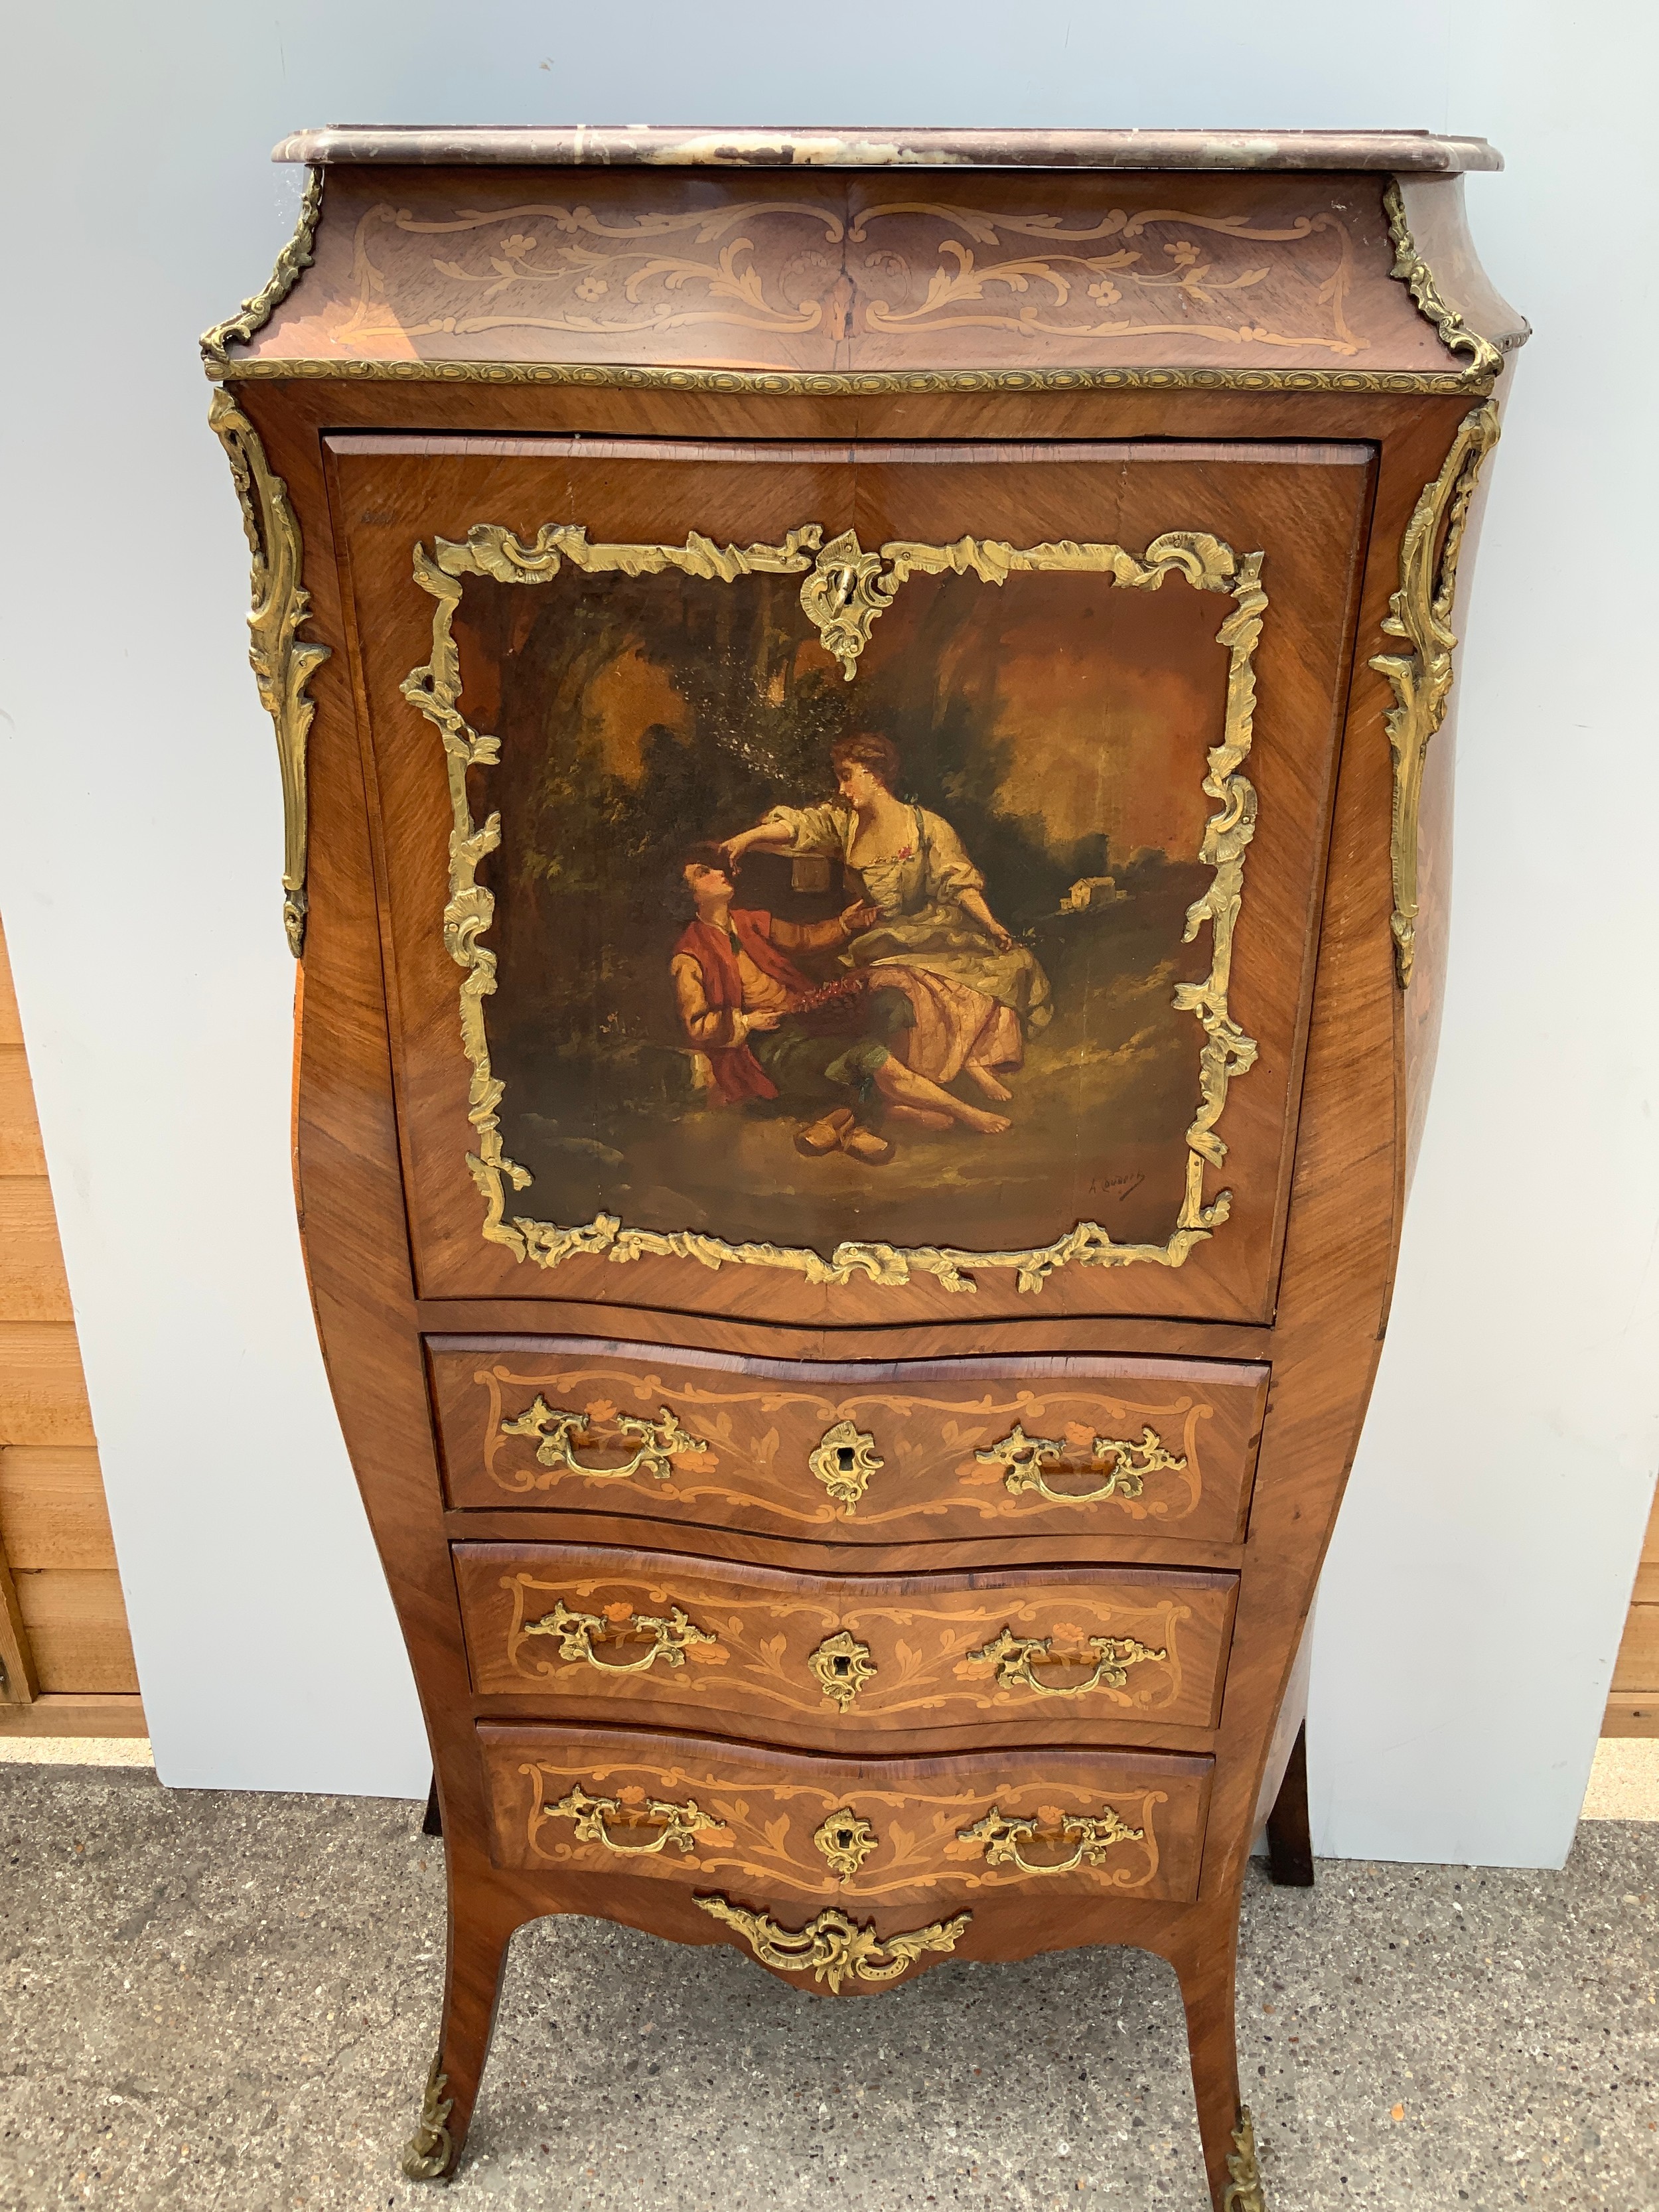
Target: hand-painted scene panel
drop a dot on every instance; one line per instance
(924, 958)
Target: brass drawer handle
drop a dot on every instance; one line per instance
(675, 1824)
(669, 1635)
(832, 1947)
(657, 1441)
(1024, 1459)
(1004, 1838)
(844, 1461)
(1017, 1658)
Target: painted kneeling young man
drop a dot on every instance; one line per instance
(769, 1031)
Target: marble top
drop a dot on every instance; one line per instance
(582, 145)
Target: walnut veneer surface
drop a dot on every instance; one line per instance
(852, 1339)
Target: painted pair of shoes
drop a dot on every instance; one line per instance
(838, 1132)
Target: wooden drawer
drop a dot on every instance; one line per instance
(691, 1643)
(798, 1831)
(894, 1453)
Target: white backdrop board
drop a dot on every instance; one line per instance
(1474, 1597)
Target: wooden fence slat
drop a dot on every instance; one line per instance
(20, 1152)
(32, 1283)
(52, 1512)
(43, 1393)
(77, 1629)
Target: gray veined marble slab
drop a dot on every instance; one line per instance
(583, 145)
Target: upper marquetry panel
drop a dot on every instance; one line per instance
(851, 272)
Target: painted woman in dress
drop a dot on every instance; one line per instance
(974, 993)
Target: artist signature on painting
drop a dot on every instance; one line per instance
(1123, 1186)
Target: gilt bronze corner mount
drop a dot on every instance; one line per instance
(1421, 677)
(1485, 362)
(283, 664)
(255, 312)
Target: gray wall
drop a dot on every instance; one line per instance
(1475, 1595)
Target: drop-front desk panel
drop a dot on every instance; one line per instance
(868, 859)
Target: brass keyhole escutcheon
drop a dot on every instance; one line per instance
(844, 1461)
(842, 1666)
(845, 1842)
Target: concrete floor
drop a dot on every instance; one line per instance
(214, 2000)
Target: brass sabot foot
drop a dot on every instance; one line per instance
(430, 2151)
(1243, 2190)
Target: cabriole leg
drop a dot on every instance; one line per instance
(1206, 1966)
(479, 1929)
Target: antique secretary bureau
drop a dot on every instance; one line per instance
(869, 869)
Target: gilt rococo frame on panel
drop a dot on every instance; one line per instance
(844, 590)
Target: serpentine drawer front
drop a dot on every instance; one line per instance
(680, 1642)
(854, 718)
(903, 1452)
(791, 1831)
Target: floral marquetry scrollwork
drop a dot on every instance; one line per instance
(899, 270)
(1127, 273)
(588, 272)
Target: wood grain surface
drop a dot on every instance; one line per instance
(378, 1025)
(906, 1819)
(936, 1432)
(858, 273)
(747, 1666)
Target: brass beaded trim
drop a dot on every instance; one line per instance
(863, 384)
